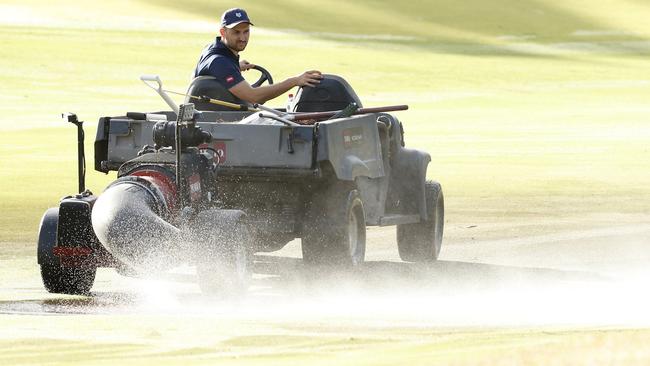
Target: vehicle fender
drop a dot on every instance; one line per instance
(47, 235)
(352, 167)
(408, 178)
(351, 158)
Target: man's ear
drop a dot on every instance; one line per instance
(222, 31)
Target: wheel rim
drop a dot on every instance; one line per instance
(241, 263)
(437, 224)
(356, 234)
(353, 235)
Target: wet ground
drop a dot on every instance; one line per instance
(577, 284)
(578, 264)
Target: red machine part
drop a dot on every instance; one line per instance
(164, 182)
(219, 150)
(80, 256)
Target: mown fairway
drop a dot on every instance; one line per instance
(536, 114)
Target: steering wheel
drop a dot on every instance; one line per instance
(266, 76)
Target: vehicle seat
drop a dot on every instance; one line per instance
(332, 94)
(210, 87)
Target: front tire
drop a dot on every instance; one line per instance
(421, 242)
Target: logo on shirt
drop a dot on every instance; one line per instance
(230, 79)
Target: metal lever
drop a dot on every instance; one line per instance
(279, 119)
(148, 80)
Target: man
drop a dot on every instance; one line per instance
(221, 60)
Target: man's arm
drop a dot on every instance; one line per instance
(261, 94)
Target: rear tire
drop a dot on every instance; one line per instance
(421, 242)
(335, 229)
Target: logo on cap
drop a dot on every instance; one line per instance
(234, 16)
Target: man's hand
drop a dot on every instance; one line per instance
(309, 78)
(261, 94)
(245, 65)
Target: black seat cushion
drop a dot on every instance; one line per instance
(210, 87)
(332, 94)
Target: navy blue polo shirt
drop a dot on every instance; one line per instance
(218, 60)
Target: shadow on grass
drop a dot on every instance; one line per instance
(286, 278)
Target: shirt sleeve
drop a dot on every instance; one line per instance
(225, 72)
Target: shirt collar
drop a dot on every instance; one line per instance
(227, 51)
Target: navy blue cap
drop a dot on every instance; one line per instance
(234, 16)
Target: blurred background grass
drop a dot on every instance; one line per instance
(530, 109)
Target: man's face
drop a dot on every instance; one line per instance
(236, 38)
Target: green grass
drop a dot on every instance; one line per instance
(473, 21)
(547, 129)
(538, 128)
(102, 340)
